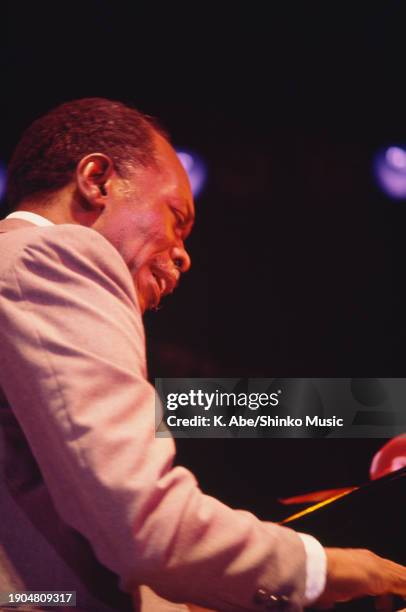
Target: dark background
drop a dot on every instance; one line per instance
(297, 255)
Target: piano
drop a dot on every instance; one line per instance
(371, 516)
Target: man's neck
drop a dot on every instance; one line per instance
(59, 207)
(63, 206)
(54, 214)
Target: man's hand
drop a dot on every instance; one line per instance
(353, 573)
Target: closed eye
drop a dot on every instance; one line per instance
(180, 222)
(184, 221)
(180, 218)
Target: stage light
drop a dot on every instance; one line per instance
(196, 169)
(3, 180)
(390, 171)
(390, 458)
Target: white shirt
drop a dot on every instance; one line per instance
(316, 561)
(32, 217)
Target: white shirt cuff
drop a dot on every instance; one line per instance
(316, 568)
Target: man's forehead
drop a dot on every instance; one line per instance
(171, 165)
(168, 159)
(166, 178)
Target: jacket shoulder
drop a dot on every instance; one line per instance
(65, 243)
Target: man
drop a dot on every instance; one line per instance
(89, 495)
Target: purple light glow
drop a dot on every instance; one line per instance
(396, 157)
(196, 170)
(390, 171)
(3, 180)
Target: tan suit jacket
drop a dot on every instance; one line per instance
(89, 498)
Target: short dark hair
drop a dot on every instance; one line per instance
(46, 157)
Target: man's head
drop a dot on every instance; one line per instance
(102, 164)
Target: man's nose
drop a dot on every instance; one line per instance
(180, 258)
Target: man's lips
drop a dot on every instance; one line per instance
(153, 282)
(166, 280)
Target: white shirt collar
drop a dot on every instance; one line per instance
(29, 216)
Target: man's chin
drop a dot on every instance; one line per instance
(148, 300)
(148, 290)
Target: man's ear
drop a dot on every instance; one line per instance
(93, 178)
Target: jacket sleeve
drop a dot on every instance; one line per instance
(73, 369)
